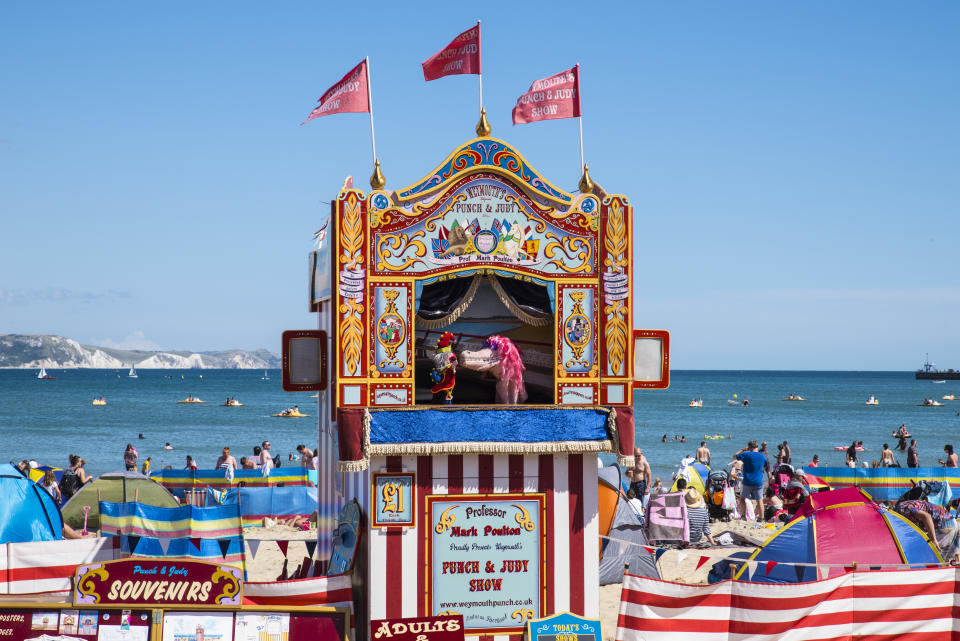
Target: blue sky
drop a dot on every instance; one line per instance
(793, 167)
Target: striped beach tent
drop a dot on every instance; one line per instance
(840, 527)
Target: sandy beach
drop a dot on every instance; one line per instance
(268, 562)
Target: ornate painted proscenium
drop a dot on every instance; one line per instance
(484, 216)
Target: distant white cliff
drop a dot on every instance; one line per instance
(29, 351)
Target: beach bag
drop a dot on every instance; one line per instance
(729, 498)
(748, 512)
(69, 484)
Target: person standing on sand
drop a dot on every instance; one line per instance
(786, 454)
(913, 457)
(641, 476)
(754, 463)
(145, 469)
(130, 458)
(766, 458)
(703, 454)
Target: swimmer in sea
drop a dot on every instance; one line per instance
(168, 446)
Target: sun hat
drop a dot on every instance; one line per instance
(693, 498)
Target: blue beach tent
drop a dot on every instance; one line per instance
(27, 511)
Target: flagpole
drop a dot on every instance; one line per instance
(480, 71)
(580, 120)
(373, 141)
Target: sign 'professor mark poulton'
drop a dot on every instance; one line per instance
(478, 545)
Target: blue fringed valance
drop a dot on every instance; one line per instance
(588, 426)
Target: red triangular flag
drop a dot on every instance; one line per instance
(550, 98)
(350, 95)
(703, 559)
(283, 546)
(195, 540)
(770, 566)
(648, 549)
(462, 55)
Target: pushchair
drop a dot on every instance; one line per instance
(781, 477)
(717, 482)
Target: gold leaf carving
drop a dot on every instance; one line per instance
(395, 245)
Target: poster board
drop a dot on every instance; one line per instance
(29, 621)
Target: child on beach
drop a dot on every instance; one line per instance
(50, 485)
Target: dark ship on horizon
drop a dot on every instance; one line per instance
(929, 372)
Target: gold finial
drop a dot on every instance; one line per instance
(483, 127)
(586, 185)
(377, 181)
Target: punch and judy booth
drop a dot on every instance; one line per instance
(482, 356)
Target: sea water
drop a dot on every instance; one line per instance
(48, 420)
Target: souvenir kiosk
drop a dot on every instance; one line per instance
(482, 357)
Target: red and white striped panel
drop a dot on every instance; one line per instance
(397, 555)
(333, 591)
(881, 605)
(48, 566)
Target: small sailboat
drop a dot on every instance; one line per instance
(132, 373)
(42, 374)
(873, 400)
(265, 376)
(696, 402)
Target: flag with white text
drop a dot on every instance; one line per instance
(350, 95)
(550, 98)
(462, 56)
